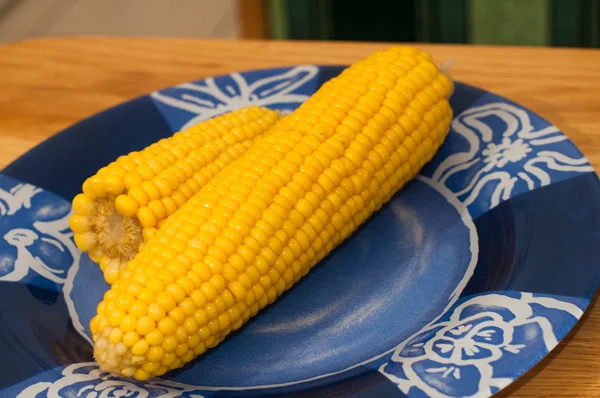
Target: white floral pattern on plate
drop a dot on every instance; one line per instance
(458, 356)
(47, 232)
(506, 155)
(37, 239)
(16, 198)
(86, 380)
(213, 96)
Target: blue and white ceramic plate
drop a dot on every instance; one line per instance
(456, 287)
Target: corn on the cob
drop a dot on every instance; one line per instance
(266, 219)
(126, 201)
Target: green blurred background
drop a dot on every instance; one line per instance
(572, 23)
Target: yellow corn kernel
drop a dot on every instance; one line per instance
(125, 202)
(259, 225)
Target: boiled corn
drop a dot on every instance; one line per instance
(261, 224)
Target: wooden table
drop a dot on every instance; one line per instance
(48, 84)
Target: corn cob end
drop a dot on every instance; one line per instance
(110, 238)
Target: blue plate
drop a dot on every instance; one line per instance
(457, 286)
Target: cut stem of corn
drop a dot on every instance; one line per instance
(126, 201)
(265, 220)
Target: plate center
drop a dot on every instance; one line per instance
(393, 276)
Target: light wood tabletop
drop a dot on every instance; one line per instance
(48, 84)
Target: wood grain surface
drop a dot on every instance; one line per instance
(48, 84)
